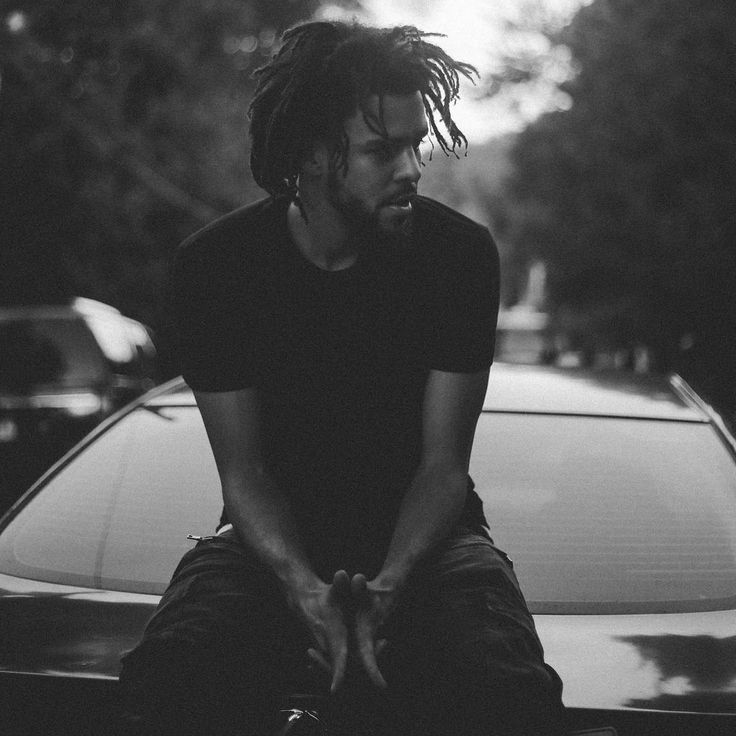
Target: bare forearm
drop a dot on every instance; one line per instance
(260, 513)
(429, 511)
(263, 519)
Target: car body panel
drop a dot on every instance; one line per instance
(631, 661)
(683, 661)
(68, 631)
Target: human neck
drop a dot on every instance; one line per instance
(322, 239)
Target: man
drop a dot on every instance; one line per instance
(338, 338)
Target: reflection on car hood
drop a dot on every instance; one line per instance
(61, 630)
(680, 662)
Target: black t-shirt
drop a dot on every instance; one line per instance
(339, 358)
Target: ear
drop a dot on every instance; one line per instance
(317, 162)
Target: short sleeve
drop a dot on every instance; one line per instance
(463, 304)
(214, 333)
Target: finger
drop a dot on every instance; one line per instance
(341, 579)
(339, 665)
(340, 584)
(358, 585)
(367, 651)
(318, 658)
(372, 669)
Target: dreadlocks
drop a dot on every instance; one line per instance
(323, 72)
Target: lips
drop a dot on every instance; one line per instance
(402, 201)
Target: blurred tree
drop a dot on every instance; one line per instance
(629, 196)
(122, 129)
(474, 184)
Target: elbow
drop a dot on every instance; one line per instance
(449, 478)
(237, 478)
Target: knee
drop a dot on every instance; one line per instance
(172, 686)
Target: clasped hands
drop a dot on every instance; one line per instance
(344, 618)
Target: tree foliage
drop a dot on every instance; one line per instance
(122, 129)
(629, 195)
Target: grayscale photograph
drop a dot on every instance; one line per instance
(367, 368)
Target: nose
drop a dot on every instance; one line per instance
(408, 166)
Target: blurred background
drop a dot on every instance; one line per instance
(602, 157)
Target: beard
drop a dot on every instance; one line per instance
(369, 224)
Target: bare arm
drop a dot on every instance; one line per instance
(433, 502)
(258, 510)
(261, 515)
(436, 496)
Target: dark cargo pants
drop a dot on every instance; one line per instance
(463, 656)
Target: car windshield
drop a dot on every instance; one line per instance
(598, 514)
(118, 516)
(57, 351)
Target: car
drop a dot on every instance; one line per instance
(63, 368)
(613, 493)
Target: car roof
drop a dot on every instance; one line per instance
(550, 390)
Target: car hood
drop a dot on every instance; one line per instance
(62, 630)
(678, 662)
